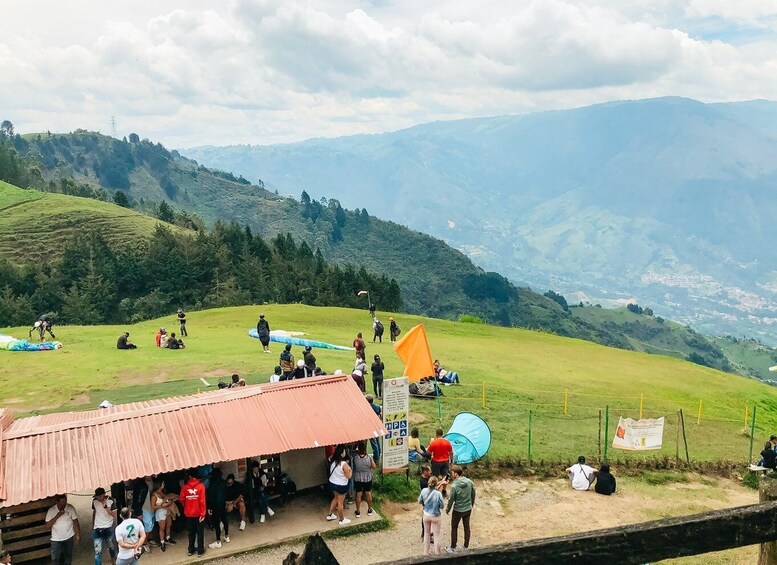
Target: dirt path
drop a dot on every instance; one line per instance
(511, 510)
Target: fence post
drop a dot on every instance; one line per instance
(746, 417)
(484, 394)
(529, 437)
(698, 417)
(685, 439)
(641, 401)
(606, 430)
(752, 435)
(600, 435)
(566, 401)
(677, 439)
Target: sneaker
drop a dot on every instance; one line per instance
(242, 525)
(170, 541)
(331, 517)
(344, 521)
(215, 545)
(145, 549)
(369, 511)
(358, 514)
(200, 554)
(270, 512)
(189, 553)
(450, 549)
(153, 543)
(226, 539)
(261, 519)
(163, 546)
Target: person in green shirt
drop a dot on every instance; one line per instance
(461, 500)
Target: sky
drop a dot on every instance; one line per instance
(189, 73)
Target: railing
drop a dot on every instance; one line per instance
(633, 544)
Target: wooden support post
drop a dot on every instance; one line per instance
(599, 443)
(566, 402)
(606, 430)
(752, 435)
(685, 439)
(746, 417)
(767, 491)
(641, 401)
(529, 437)
(484, 394)
(677, 439)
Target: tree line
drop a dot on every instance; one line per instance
(95, 281)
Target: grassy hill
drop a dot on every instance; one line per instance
(34, 224)
(521, 370)
(435, 279)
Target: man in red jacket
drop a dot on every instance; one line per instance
(193, 498)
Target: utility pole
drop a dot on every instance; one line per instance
(113, 125)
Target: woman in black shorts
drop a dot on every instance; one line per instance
(363, 465)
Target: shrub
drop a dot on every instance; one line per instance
(470, 319)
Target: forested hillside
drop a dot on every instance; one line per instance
(435, 279)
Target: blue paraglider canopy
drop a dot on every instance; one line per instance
(470, 437)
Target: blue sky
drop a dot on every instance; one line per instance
(267, 71)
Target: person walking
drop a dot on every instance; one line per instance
(377, 330)
(62, 520)
(103, 523)
(193, 498)
(130, 537)
(462, 500)
(377, 369)
(263, 329)
(359, 346)
(339, 475)
(182, 322)
(432, 502)
(394, 330)
(363, 464)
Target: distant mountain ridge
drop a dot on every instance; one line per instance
(669, 200)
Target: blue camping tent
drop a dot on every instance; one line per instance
(470, 436)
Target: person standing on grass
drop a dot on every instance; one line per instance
(310, 360)
(62, 520)
(193, 499)
(377, 330)
(377, 376)
(182, 322)
(359, 346)
(217, 507)
(462, 500)
(441, 451)
(263, 329)
(339, 475)
(286, 361)
(131, 538)
(394, 330)
(432, 502)
(363, 465)
(103, 522)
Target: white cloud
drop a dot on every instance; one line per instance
(276, 70)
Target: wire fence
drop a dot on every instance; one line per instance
(538, 423)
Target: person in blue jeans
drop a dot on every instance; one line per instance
(103, 523)
(375, 441)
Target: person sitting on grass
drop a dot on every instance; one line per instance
(235, 501)
(605, 482)
(277, 376)
(581, 474)
(301, 371)
(415, 451)
(124, 343)
(174, 343)
(443, 376)
(769, 456)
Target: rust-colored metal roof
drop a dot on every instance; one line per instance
(54, 453)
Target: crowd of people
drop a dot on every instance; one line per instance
(128, 524)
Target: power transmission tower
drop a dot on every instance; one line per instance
(113, 125)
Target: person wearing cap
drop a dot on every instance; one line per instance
(377, 376)
(124, 342)
(300, 371)
(263, 329)
(182, 321)
(277, 375)
(103, 524)
(393, 330)
(310, 360)
(581, 474)
(62, 521)
(286, 361)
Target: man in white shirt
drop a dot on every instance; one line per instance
(103, 521)
(130, 535)
(276, 376)
(581, 474)
(62, 520)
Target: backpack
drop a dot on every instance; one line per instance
(379, 327)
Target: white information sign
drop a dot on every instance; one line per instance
(638, 435)
(396, 407)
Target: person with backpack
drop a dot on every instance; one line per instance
(394, 330)
(359, 346)
(377, 329)
(581, 474)
(286, 361)
(310, 359)
(263, 329)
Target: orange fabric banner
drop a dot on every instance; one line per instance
(414, 351)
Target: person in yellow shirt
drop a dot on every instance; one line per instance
(415, 451)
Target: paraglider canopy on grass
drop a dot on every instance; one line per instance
(470, 436)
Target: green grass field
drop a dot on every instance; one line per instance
(521, 370)
(41, 222)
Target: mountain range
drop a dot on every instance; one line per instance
(668, 202)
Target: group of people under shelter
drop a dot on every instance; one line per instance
(145, 513)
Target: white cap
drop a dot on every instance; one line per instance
(106, 404)
(339, 372)
(300, 363)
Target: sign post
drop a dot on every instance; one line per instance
(396, 409)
